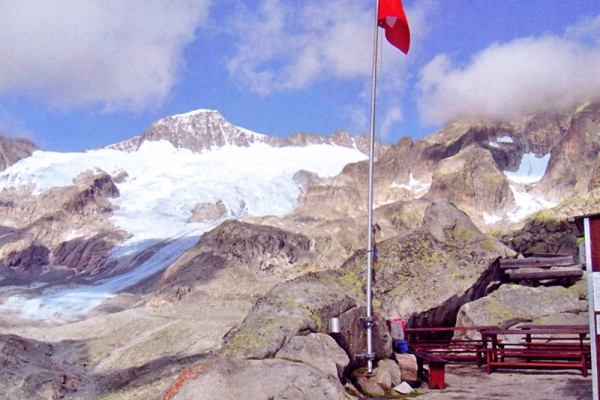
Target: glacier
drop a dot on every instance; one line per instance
(162, 187)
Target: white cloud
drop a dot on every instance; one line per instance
(392, 116)
(73, 53)
(507, 79)
(285, 45)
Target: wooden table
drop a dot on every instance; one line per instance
(537, 348)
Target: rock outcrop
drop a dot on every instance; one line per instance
(426, 274)
(283, 340)
(465, 163)
(482, 187)
(32, 369)
(574, 165)
(13, 150)
(261, 249)
(59, 233)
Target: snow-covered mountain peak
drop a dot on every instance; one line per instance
(199, 130)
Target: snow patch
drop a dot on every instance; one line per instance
(193, 113)
(527, 204)
(413, 184)
(490, 219)
(531, 169)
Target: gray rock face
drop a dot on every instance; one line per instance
(258, 248)
(30, 370)
(429, 272)
(481, 186)
(65, 231)
(353, 336)
(199, 130)
(464, 163)
(292, 308)
(13, 150)
(543, 233)
(574, 164)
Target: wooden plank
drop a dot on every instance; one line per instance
(554, 274)
(548, 255)
(577, 328)
(536, 262)
(430, 358)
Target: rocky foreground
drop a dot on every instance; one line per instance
(243, 331)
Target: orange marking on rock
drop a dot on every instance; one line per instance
(187, 375)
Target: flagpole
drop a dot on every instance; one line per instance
(369, 320)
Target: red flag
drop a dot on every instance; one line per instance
(391, 17)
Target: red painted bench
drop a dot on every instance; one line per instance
(437, 369)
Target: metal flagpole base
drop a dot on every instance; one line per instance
(369, 323)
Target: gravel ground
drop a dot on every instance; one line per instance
(468, 382)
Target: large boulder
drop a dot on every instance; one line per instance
(239, 378)
(514, 304)
(545, 232)
(292, 308)
(319, 351)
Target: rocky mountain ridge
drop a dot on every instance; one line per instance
(206, 129)
(469, 163)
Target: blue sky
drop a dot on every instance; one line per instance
(78, 74)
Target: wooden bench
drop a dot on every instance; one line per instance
(437, 369)
(538, 268)
(537, 358)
